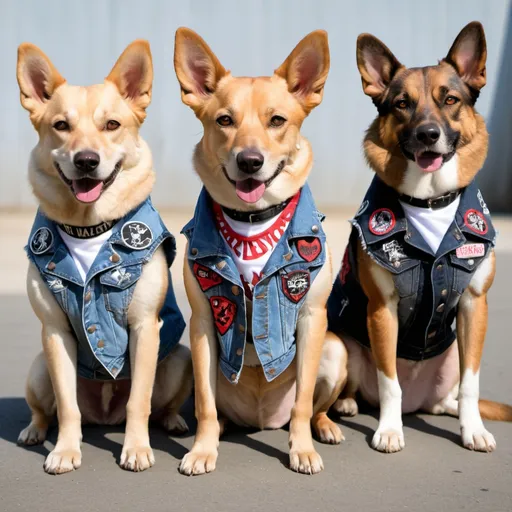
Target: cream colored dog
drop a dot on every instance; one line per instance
(251, 158)
(102, 120)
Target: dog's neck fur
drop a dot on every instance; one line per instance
(298, 167)
(131, 187)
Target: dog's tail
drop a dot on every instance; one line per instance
(495, 411)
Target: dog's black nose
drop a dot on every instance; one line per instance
(428, 134)
(86, 161)
(249, 161)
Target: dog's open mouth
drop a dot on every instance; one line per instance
(88, 190)
(251, 190)
(429, 161)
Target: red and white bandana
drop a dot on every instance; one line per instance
(253, 243)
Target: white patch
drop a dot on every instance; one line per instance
(41, 241)
(389, 436)
(483, 204)
(362, 208)
(120, 275)
(426, 185)
(431, 224)
(55, 284)
(137, 235)
(481, 276)
(474, 434)
(470, 251)
(394, 251)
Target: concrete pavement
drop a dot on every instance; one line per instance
(433, 472)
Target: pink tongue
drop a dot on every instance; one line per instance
(250, 190)
(87, 190)
(429, 162)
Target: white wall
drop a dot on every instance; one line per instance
(84, 38)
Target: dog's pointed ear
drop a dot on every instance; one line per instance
(376, 63)
(468, 55)
(306, 69)
(197, 68)
(37, 78)
(132, 74)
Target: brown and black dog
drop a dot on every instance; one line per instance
(421, 253)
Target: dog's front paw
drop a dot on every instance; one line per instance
(62, 461)
(32, 435)
(137, 458)
(198, 462)
(478, 439)
(175, 424)
(346, 407)
(388, 440)
(326, 430)
(308, 462)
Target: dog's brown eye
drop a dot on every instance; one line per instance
(401, 104)
(277, 121)
(61, 126)
(224, 121)
(451, 100)
(112, 125)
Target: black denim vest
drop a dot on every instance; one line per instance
(429, 285)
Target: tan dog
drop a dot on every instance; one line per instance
(422, 249)
(91, 167)
(250, 159)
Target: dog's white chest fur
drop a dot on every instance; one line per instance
(431, 224)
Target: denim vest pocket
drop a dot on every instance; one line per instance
(59, 290)
(117, 286)
(463, 270)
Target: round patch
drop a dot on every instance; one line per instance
(41, 241)
(382, 221)
(136, 235)
(362, 208)
(475, 221)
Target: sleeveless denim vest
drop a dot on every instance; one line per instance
(278, 296)
(97, 309)
(429, 285)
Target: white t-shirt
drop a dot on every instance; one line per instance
(432, 224)
(84, 250)
(252, 243)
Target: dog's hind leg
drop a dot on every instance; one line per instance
(41, 400)
(173, 386)
(332, 376)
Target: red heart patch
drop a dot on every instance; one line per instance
(224, 312)
(206, 277)
(309, 248)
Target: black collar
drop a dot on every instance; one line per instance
(86, 232)
(435, 203)
(258, 216)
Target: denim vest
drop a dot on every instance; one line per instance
(429, 285)
(97, 310)
(277, 297)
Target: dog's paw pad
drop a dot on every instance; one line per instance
(62, 461)
(198, 463)
(328, 432)
(346, 407)
(32, 435)
(388, 441)
(480, 440)
(307, 462)
(137, 458)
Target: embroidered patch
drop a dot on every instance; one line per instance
(345, 267)
(309, 248)
(41, 241)
(120, 275)
(470, 251)
(483, 205)
(206, 277)
(296, 284)
(362, 208)
(224, 312)
(394, 251)
(55, 285)
(475, 221)
(382, 221)
(136, 235)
